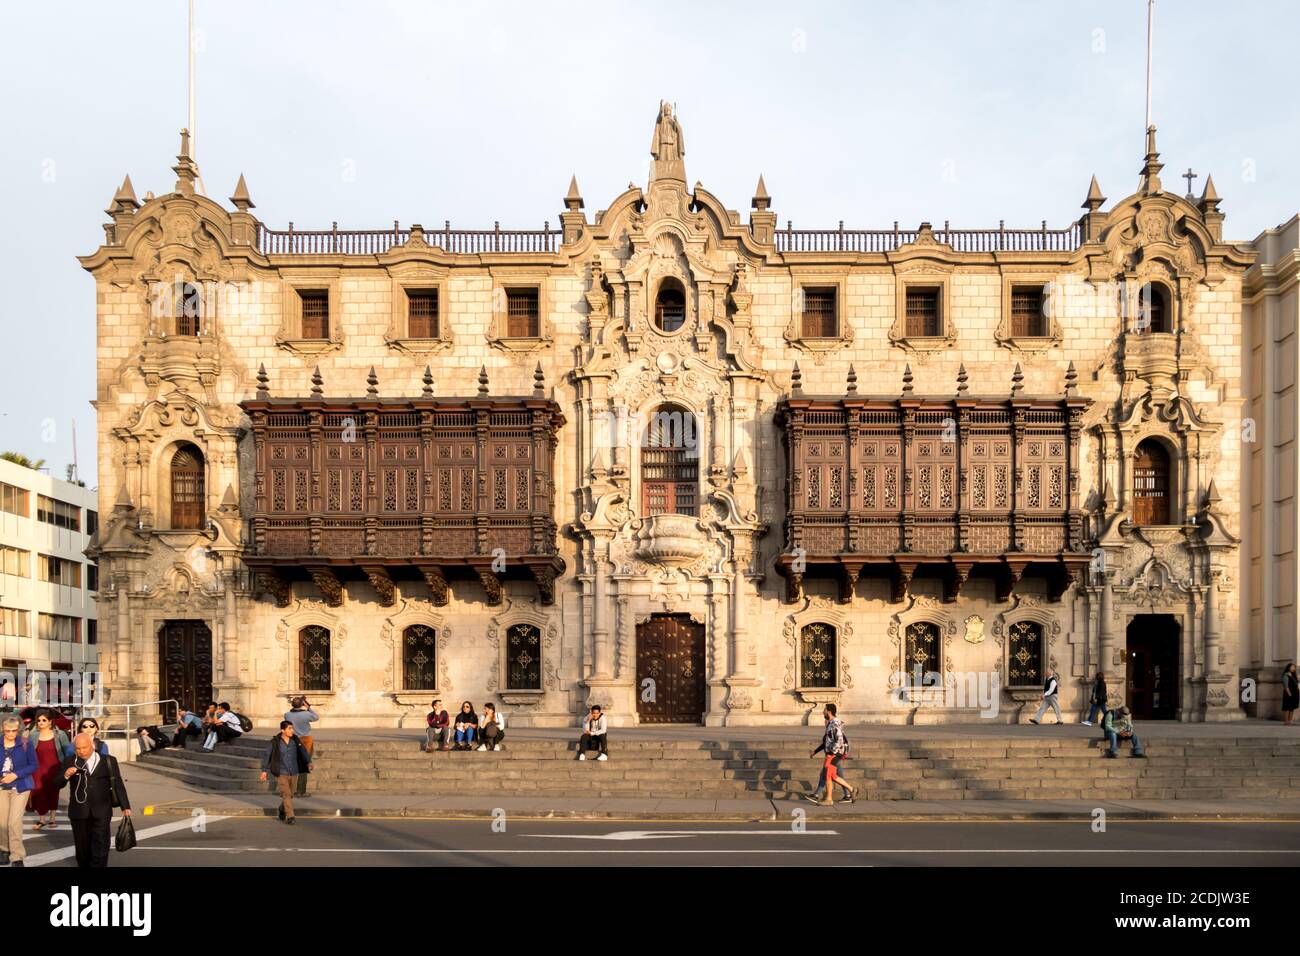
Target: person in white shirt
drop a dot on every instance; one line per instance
(1050, 688)
(225, 727)
(491, 728)
(594, 735)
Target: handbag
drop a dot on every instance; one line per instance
(125, 839)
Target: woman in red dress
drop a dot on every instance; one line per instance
(50, 745)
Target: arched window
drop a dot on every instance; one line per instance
(923, 651)
(419, 657)
(1025, 654)
(1152, 309)
(523, 657)
(670, 463)
(188, 308)
(817, 667)
(1151, 484)
(187, 488)
(314, 658)
(670, 306)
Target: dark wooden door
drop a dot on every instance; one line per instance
(1150, 485)
(185, 653)
(670, 670)
(1152, 667)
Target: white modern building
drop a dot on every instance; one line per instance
(47, 587)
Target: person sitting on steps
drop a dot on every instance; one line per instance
(491, 728)
(594, 735)
(439, 729)
(466, 727)
(1119, 726)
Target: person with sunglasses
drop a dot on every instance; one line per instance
(89, 725)
(17, 765)
(51, 747)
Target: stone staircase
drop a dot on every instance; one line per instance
(933, 768)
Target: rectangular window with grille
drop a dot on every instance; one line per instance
(419, 657)
(422, 313)
(522, 313)
(314, 658)
(923, 317)
(523, 657)
(819, 318)
(1028, 315)
(670, 477)
(315, 313)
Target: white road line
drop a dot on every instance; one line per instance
(634, 852)
(673, 834)
(53, 856)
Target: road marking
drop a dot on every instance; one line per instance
(486, 851)
(53, 856)
(671, 834)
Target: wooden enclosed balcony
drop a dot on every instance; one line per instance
(954, 486)
(382, 488)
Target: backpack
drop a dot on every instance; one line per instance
(245, 723)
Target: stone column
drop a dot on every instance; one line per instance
(1106, 631)
(599, 623)
(122, 649)
(1213, 636)
(230, 625)
(739, 628)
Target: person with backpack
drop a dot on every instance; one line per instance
(439, 729)
(1098, 705)
(835, 746)
(302, 717)
(287, 758)
(226, 726)
(1119, 726)
(1050, 688)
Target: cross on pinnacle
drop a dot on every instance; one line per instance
(1189, 176)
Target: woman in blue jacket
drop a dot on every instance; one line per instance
(17, 764)
(89, 725)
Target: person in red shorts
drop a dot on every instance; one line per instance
(835, 745)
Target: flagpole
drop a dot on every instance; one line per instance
(191, 117)
(1151, 13)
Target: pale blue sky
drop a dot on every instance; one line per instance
(365, 112)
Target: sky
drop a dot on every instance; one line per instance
(365, 112)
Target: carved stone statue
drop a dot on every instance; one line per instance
(668, 147)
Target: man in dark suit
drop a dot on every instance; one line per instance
(92, 780)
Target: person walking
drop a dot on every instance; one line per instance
(595, 735)
(1097, 708)
(466, 727)
(89, 725)
(302, 717)
(439, 728)
(1290, 693)
(17, 766)
(835, 746)
(492, 728)
(188, 724)
(287, 758)
(1119, 726)
(95, 787)
(1050, 687)
(51, 748)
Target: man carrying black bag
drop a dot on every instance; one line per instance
(94, 788)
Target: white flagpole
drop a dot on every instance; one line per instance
(192, 85)
(1151, 13)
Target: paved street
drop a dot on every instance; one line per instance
(244, 841)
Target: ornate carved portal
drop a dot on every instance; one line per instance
(185, 659)
(670, 670)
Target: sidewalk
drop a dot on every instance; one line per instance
(156, 795)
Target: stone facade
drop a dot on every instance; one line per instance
(611, 362)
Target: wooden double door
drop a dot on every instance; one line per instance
(185, 658)
(670, 670)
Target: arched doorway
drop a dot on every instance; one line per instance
(1152, 677)
(670, 670)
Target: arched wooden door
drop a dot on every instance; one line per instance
(670, 670)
